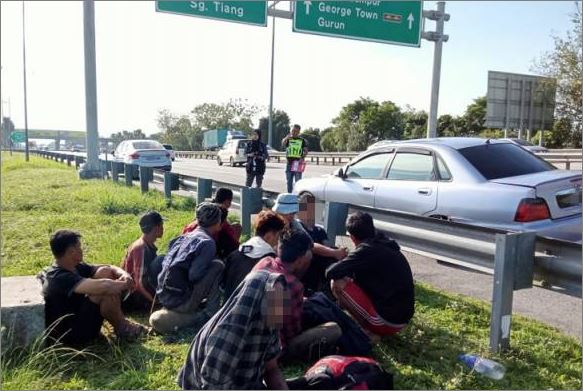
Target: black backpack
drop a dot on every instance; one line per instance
(343, 373)
(319, 309)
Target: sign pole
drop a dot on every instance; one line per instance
(91, 168)
(26, 157)
(438, 38)
(270, 126)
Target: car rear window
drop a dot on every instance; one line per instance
(168, 147)
(146, 145)
(495, 161)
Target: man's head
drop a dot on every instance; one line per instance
(208, 216)
(66, 245)
(256, 134)
(286, 205)
(360, 227)
(269, 226)
(295, 250)
(307, 209)
(296, 130)
(223, 197)
(152, 224)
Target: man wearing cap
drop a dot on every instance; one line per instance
(287, 205)
(143, 263)
(190, 275)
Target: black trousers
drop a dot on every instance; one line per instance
(258, 176)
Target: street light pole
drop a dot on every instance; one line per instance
(91, 168)
(26, 157)
(438, 37)
(270, 126)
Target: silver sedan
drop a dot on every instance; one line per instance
(471, 180)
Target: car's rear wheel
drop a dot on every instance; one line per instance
(219, 161)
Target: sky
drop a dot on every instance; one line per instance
(148, 61)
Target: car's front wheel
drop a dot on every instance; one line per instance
(219, 161)
(232, 162)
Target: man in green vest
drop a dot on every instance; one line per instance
(296, 149)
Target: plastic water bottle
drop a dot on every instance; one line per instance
(486, 367)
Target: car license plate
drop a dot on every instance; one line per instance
(151, 157)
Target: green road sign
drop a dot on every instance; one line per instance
(397, 22)
(17, 137)
(248, 12)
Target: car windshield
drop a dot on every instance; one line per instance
(146, 145)
(167, 146)
(495, 161)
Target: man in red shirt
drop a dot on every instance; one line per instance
(294, 257)
(142, 262)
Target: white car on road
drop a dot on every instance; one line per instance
(147, 153)
(233, 152)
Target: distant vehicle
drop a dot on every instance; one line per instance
(78, 148)
(526, 144)
(490, 183)
(147, 153)
(216, 138)
(233, 152)
(171, 150)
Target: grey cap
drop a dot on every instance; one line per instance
(207, 214)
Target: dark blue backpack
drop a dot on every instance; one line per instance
(319, 309)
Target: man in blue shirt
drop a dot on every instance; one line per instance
(190, 274)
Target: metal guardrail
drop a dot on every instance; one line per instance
(515, 259)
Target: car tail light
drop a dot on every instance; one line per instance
(134, 155)
(532, 209)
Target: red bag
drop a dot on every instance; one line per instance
(344, 373)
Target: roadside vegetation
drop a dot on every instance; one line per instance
(42, 196)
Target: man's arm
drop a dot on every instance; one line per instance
(202, 260)
(102, 286)
(304, 148)
(325, 251)
(273, 377)
(355, 261)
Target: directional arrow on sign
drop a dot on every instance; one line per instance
(307, 4)
(411, 19)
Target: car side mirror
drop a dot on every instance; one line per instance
(340, 173)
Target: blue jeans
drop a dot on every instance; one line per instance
(290, 177)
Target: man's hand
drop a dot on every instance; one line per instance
(341, 253)
(131, 284)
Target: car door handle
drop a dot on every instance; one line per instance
(424, 191)
(368, 187)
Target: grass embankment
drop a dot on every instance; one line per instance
(42, 196)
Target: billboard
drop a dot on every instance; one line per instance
(516, 101)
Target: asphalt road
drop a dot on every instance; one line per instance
(274, 179)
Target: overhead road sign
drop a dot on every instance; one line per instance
(517, 101)
(395, 22)
(247, 12)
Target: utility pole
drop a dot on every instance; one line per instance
(26, 157)
(439, 38)
(270, 125)
(91, 168)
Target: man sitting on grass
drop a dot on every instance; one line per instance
(78, 296)
(374, 282)
(240, 262)
(238, 348)
(142, 262)
(190, 275)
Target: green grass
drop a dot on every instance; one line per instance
(42, 196)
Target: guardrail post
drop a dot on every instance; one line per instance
(115, 170)
(103, 167)
(145, 174)
(69, 160)
(77, 162)
(251, 203)
(568, 165)
(204, 189)
(170, 183)
(129, 174)
(335, 215)
(513, 270)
